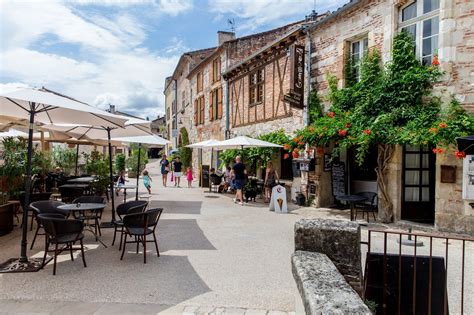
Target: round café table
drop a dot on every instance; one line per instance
(352, 200)
(83, 207)
(125, 187)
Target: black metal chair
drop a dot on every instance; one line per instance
(135, 206)
(138, 226)
(33, 197)
(60, 231)
(368, 206)
(91, 215)
(44, 207)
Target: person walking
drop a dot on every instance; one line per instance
(189, 177)
(271, 178)
(239, 179)
(177, 167)
(165, 168)
(147, 181)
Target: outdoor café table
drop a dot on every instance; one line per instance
(83, 186)
(352, 200)
(82, 208)
(125, 187)
(81, 180)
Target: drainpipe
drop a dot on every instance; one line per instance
(227, 115)
(308, 69)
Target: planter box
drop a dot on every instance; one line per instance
(6, 218)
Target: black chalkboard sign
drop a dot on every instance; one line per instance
(338, 178)
(205, 176)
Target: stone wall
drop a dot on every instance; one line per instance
(326, 266)
(339, 240)
(322, 288)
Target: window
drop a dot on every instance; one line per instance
(256, 86)
(421, 20)
(357, 51)
(215, 104)
(200, 82)
(216, 70)
(199, 111)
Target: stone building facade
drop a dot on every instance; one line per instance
(439, 26)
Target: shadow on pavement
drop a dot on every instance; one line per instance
(177, 206)
(181, 234)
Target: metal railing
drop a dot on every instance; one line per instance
(412, 274)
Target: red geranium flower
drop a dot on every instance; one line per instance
(311, 129)
(301, 143)
(286, 156)
(433, 130)
(342, 132)
(295, 150)
(367, 132)
(443, 124)
(438, 150)
(435, 61)
(295, 154)
(460, 154)
(287, 146)
(348, 125)
(331, 114)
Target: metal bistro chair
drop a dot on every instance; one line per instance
(139, 226)
(92, 215)
(45, 207)
(60, 231)
(33, 197)
(369, 206)
(135, 206)
(68, 194)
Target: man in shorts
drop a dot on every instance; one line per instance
(239, 179)
(177, 169)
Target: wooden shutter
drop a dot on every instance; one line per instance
(219, 103)
(201, 108)
(211, 106)
(196, 112)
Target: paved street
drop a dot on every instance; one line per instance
(216, 257)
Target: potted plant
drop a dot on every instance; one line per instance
(97, 164)
(132, 162)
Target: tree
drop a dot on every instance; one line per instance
(184, 152)
(392, 104)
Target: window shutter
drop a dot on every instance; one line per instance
(201, 105)
(211, 106)
(195, 112)
(219, 103)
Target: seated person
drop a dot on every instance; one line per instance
(224, 187)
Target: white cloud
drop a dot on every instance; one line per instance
(176, 46)
(263, 12)
(175, 7)
(108, 64)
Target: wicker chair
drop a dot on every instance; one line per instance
(135, 206)
(43, 207)
(138, 226)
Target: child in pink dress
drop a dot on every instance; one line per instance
(189, 176)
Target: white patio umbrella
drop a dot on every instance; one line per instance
(205, 144)
(152, 141)
(243, 142)
(133, 127)
(45, 106)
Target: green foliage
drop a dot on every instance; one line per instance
(391, 104)
(315, 107)
(349, 71)
(65, 159)
(41, 163)
(98, 164)
(185, 153)
(14, 164)
(119, 162)
(257, 156)
(132, 161)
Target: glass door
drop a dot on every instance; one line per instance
(418, 178)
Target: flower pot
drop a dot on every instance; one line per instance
(6, 218)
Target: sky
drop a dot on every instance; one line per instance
(120, 51)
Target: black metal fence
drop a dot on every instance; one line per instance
(418, 273)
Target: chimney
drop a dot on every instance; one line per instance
(224, 37)
(112, 108)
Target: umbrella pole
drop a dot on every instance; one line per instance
(23, 264)
(111, 175)
(210, 166)
(24, 242)
(138, 169)
(77, 157)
